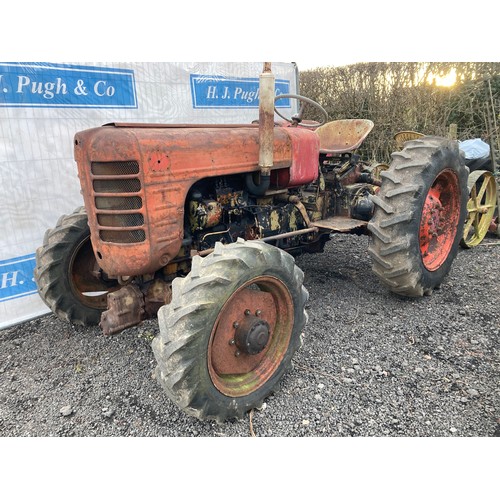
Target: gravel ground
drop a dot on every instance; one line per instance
(373, 364)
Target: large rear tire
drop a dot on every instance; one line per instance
(419, 215)
(229, 334)
(68, 278)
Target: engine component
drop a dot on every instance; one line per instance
(204, 213)
(125, 308)
(130, 305)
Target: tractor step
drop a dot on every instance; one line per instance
(340, 224)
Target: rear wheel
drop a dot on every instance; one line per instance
(229, 334)
(68, 278)
(419, 215)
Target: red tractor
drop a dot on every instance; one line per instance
(198, 225)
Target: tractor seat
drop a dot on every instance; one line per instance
(406, 135)
(343, 136)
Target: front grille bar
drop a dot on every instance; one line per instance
(118, 198)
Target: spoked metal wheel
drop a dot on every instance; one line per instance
(480, 207)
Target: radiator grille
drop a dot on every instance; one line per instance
(117, 186)
(122, 236)
(115, 168)
(120, 220)
(118, 201)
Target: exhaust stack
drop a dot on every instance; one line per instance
(266, 120)
(266, 133)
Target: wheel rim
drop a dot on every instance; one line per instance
(480, 207)
(85, 281)
(440, 219)
(262, 306)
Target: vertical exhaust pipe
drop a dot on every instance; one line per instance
(266, 133)
(266, 120)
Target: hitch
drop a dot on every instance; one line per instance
(129, 306)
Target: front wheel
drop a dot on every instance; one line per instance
(68, 277)
(229, 334)
(419, 214)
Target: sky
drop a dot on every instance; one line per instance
(313, 34)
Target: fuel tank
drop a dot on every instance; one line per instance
(135, 178)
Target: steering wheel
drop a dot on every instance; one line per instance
(296, 119)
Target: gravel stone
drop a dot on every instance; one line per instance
(420, 373)
(66, 411)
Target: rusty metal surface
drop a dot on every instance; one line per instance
(340, 224)
(180, 125)
(130, 305)
(305, 152)
(342, 136)
(291, 234)
(404, 136)
(86, 278)
(223, 350)
(170, 160)
(125, 308)
(266, 119)
(439, 220)
(480, 207)
(157, 294)
(234, 372)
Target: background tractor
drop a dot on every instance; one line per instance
(199, 225)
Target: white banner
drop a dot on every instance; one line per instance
(42, 106)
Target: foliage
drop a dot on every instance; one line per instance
(405, 96)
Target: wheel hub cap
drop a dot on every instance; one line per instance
(252, 335)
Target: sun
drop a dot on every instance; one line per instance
(447, 80)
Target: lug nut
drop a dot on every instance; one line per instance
(247, 312)
(258, 312)
(237, 353)
(232, 342)
(236, 324)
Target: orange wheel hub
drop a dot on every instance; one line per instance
(251, 336)
(440, 220)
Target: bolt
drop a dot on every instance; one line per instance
(247, 312)
(232, 342)
(236, 324)
(258, 312)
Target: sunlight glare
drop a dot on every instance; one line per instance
(443, 81)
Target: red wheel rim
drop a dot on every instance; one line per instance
(234, 372)
(440, 219)
(85, 282)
